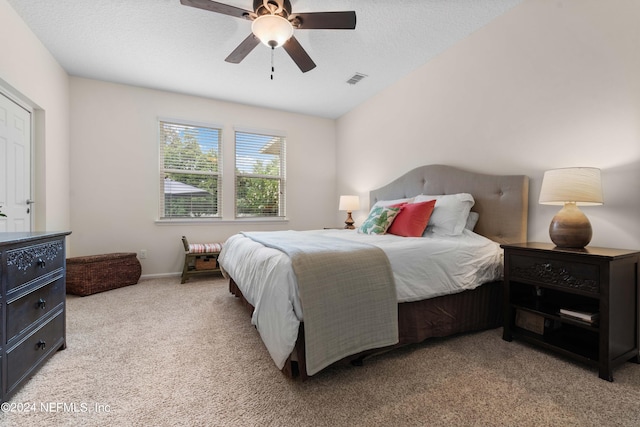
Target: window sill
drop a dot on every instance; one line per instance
(211, 221)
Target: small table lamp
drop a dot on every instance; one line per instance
(349, 204)
(571, 187)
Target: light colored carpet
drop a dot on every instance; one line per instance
(164, 354)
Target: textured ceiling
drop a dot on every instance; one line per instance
(162, 44)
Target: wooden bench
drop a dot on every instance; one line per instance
(200, 258)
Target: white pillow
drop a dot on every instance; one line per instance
(450, 214)
(472, 220)
(387, 203)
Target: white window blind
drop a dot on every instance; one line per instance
(190, 181)
(260, 175)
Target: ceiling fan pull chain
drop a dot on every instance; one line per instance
(272, 67)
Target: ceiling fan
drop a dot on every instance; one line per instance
(273, 24)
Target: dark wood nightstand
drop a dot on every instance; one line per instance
(541, 279)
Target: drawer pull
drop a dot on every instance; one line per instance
(42, 263)
(41, 345)
(42, 303)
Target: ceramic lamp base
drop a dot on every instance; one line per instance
(570, 228)
(349, 222)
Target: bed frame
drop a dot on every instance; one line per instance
(502, 203)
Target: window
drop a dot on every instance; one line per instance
(260, 175)
(190, 181)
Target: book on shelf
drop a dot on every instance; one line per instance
(585, 316)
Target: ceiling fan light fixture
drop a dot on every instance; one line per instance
(272, 30)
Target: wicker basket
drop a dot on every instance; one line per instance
(98, 273)
(206, 263)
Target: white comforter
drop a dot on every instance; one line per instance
(423, 267)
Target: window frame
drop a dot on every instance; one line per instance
(281, 178)
(162, 171)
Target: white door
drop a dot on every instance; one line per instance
(15, 166)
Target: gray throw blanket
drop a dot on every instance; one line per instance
(347, 293)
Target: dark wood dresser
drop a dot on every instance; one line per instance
(581, 303)
(32, 304)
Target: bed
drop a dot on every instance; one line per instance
(261, 274)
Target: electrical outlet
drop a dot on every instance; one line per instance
(143, 254)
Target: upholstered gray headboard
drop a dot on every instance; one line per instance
(502, 201)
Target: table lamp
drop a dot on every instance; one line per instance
(349, 204)
(571, 187)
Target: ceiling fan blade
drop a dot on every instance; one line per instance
(214, 6)
(299, 55)
(243, 49)
(326, 20)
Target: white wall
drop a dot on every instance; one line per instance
(29, 73)
(550, 84)
(115, 172)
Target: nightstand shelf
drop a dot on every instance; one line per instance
(575, 346)
(540, 279)
(551, 312)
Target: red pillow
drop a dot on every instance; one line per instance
(412, 219)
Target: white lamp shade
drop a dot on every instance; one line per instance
(349, 203)
(582, 186)
(272, 30)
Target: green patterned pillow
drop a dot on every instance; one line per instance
(379, 220)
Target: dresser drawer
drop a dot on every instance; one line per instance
(29, 262)
(23, 311)
(27, 355)
(546, 271)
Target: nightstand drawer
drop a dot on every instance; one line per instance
(565, 274)
(29, 353)
(30, 262)
(23, 311)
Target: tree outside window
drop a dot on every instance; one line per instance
(190, 183)
(260, 175)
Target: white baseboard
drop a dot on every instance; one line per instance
(158, 276)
